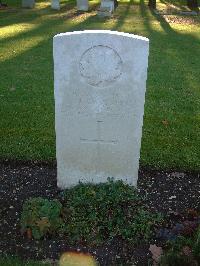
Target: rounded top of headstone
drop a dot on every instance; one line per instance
(100, 65)
(103, 32)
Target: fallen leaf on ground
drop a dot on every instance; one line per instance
(187, 251)
(156, 254)
(165, 122)
(75, 259)
(29, 233)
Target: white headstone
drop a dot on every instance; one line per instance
(100, 83)
(28, 3)
(55, 4)
(106, 8)
(82, 5)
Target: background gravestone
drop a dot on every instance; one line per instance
(100, 83)
(82, 5)
(55, 4)
(106, 8)
(28, 3)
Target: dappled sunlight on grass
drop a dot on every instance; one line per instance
(40, 28)
(15, 29)
(26, 85)
(24, 45)
(42, 5)
(171, 6)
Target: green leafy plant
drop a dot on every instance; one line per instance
(91, 214)
(95, 213)
(182, 251)
(6, 260)
(196, 247)
(173, 258)
(41, 217)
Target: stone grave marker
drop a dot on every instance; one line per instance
(55, 4)
(82, 5)
(99, 88)
(106, 8)
(28, 3)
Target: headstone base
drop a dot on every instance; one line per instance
(104, 12)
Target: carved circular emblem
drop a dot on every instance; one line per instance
(100, 66)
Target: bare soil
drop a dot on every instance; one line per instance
(165, 191)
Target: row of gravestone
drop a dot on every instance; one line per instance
(106, 8)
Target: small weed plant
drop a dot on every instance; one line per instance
(41, 217)
(184, 250)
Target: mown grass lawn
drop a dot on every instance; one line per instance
(171, 132)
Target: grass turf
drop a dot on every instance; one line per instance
(171, 132)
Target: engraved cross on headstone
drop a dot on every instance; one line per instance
(98, 139)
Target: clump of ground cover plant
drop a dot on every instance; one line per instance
(184, 251)
(95, 213)
(92, 214)
(41, 217)
(181, 241)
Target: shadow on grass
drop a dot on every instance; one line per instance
(51, 23)
(26, 15)
(123, 15)
(180, 4)
(27, 84)
(172, 93)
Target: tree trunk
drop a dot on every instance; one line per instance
(152, 4)
(193, 4)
